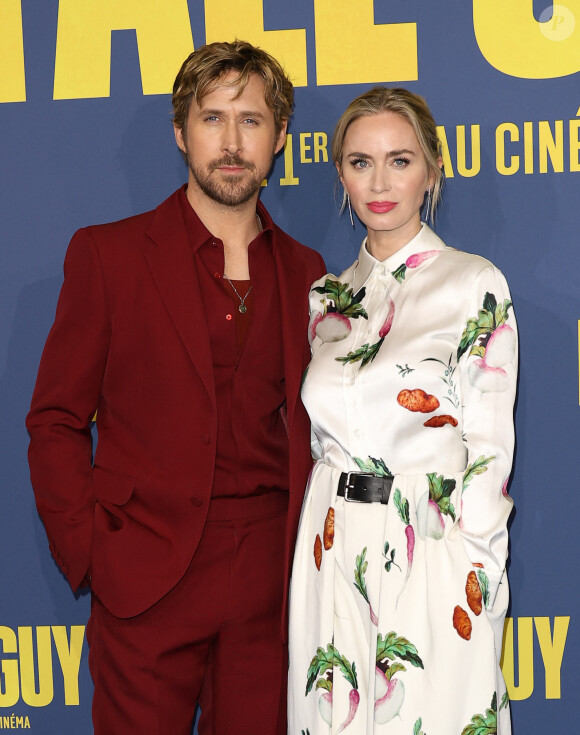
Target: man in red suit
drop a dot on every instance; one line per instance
(184, 328)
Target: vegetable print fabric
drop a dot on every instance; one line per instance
(397, 610)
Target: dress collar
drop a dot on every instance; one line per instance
(424, 246)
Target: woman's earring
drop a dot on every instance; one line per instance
(349, 209)
(428, 209)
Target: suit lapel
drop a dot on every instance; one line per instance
(170, 260)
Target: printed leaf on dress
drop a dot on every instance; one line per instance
(368, 352)
(490, 317)
(390, 557)
(484, 724)
(448, 379)
(404, 370)
(376, 467)
(440, 489)
(361, 565)
(342, 299)
(392, 647)
(483, 581)
(477, 467)
(364, 354)
(324, 662)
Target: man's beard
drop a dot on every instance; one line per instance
(233, 191)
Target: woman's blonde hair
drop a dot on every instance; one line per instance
(415, 111)
(204, 69)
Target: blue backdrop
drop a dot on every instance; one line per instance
(87, 138)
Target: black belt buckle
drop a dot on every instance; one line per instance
(348, 485)
(365, 487)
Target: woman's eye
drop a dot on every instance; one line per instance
(401, 162)
(359, 163)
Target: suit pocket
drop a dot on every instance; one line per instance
(112, 487)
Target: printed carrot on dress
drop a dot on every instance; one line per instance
(462, 623)
(317, 551)
(473, 593)
(417, 400)
(329, 529)
(437, 421)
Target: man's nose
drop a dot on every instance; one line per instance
(232, 141)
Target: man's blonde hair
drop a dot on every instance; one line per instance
(204, 69)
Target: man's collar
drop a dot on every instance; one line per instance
(198, 232)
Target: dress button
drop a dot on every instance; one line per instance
(195, 500)
(216, 275)
(229, 317)
(205, 438)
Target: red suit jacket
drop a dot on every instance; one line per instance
(130, 341)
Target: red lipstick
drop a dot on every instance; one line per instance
(381, 207)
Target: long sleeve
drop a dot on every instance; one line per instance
(314, 317)
(487, 358)
(64, 400)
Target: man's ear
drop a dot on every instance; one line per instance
(178, 132)
(281, 138)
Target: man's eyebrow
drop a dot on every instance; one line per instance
(252, 113)
(243, 113)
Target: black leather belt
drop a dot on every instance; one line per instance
(362, 487)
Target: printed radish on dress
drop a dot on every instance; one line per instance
(353, 700)
(325, 707)
(314, 319)
(430, 523)
(389, 697)
(333, 327)
(501, 348)
(487, 379)
(386, 328)
(414, 261)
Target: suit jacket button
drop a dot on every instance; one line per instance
(195, 500)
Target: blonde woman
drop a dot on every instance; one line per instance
(399, 592)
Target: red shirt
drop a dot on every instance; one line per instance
(248, 362)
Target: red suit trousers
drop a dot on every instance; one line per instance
(213, 639)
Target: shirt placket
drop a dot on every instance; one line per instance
(364, 331)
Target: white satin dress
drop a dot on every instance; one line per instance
(397, 610)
